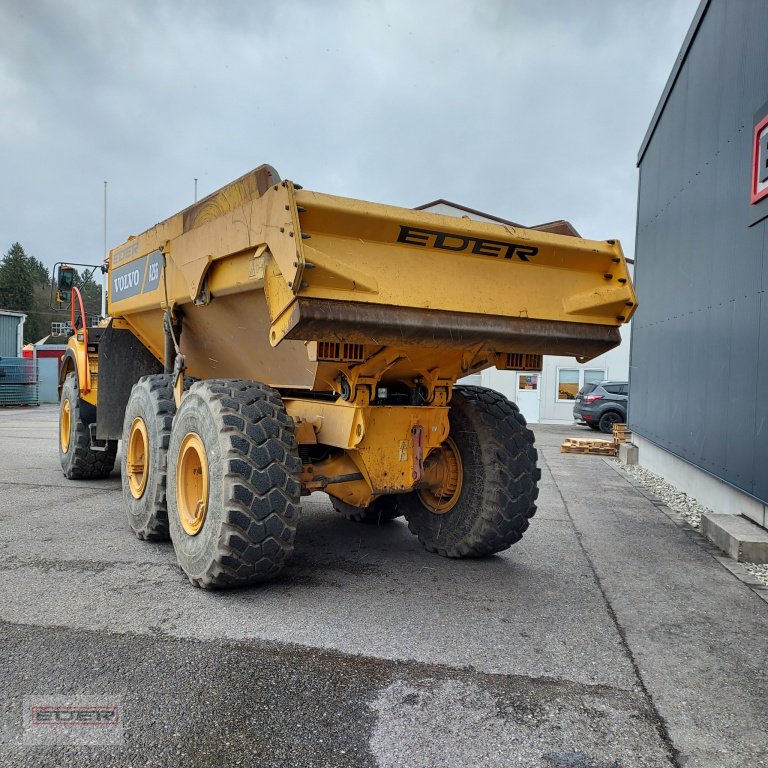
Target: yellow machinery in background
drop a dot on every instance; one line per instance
(269, 341)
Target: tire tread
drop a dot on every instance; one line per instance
(84, 463)
(159, 390)
(261, 499)
(511, 478)
(381, 511)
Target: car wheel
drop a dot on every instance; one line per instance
(607, 420)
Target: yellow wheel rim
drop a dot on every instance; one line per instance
(443, 474)
(192, 484)
(65, 425)
(137, 458)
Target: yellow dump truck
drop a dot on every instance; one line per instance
(269, 342)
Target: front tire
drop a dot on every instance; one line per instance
(78, 460)
(491, 496)
(233, 483)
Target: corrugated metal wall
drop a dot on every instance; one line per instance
(9, 336)
(699, 360)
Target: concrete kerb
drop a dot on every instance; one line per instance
(736, 569)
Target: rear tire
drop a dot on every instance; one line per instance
(381, 510)
(498, 479)
(78, 460)
(151, 403)
(233, 479)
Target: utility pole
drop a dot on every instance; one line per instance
(195, 190)
(104, 274)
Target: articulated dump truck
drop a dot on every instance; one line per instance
(269, 342)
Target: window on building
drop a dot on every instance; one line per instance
(567, 383)
(593, 376)
(571, 380)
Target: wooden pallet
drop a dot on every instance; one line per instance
(621, 434)
(585, 445)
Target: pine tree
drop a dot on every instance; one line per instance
(25, 287)
(16, 280)
(39, 272)
(90, 290)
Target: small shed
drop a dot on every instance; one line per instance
(18, 377)
(48, 354)
(11, 333)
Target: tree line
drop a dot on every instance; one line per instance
(26, 286)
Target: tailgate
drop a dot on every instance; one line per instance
(380, 274)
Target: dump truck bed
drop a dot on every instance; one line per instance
(322, 268)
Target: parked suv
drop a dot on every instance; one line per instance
(602, 405)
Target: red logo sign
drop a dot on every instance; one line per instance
(760, 162)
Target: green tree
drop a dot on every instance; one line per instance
(26, 286)
(44, 313)
(37, 324)
(90, 290)
(17, 284)
(39, 272)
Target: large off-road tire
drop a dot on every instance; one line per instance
(380, 511)
(146, 436)
(78, 460)
(494, 456)
(233, 483)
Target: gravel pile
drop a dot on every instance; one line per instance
(758, 570)
(684, 505)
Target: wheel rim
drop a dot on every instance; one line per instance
(65, 425)
(137, 459)
(192, 484)
(443, 472)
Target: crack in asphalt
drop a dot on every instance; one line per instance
(659, 722)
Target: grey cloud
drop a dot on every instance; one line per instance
(528, 110)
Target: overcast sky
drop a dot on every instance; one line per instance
(525, 109)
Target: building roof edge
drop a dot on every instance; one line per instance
(679, 61)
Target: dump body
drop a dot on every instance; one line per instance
(268, 277)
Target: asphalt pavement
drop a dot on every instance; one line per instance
(607, 638)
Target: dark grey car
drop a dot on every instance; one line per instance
(602, 405)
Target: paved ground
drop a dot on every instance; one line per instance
(606, 639)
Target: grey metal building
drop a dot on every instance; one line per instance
(699, 354)
(11, 333)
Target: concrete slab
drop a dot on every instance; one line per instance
(696, 635)
(628, 453)
(740, 538)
